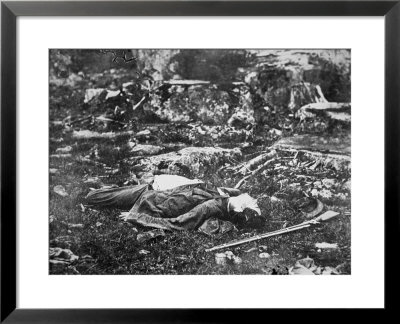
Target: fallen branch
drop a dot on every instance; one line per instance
(138, 104)
(335, 155)
(87, 134)
(253, 163)
(252, 173)
(80, 120)
(187, 82)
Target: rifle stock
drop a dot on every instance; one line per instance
(326, 216)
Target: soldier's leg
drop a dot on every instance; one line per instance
(122, 198)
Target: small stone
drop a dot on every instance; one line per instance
(262, 248)
(252, 250)
(145, 132)
(60, 190)
(147, 149)
(318, 184)
(347, 185)
(229, 255)
(324, 245)
(93, 181)
(264, 255)
(80, 226)
(220, 258)
(66, 149)
(274, 199)
(324, 193)
(330, 271)
(328, 183)
(237, 260)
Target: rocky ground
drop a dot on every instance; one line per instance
(269, 127)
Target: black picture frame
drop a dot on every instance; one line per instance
(9, 13)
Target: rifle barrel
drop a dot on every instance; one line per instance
(259, 237)
(326, 216)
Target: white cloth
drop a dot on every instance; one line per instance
(167, 181)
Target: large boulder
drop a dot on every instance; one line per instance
(293, 78)
(190, 161)
(196, 103)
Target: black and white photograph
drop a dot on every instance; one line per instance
(200, 161)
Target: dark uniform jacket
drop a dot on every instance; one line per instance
(188, 207)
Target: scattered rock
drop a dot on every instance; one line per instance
(254, 249)
(66, 149)
(144, 252)
(324, 245)
(307, 266)
(87, 134)
(227, 258)
(57, 123)
(347, 185)
(60, 156)
(321, 144)
(330, 271)
(94, 181)
(142, 149)
(60, 190)
(91, 94)
(63, 255)
(305, 93)
(241, 119)
(237, 260)
(78, 226)
(220, 258)
(324, 193)
(54, 171)
(274, 199)
(307, 262)
(143, 133)
(300, 270)
(190, 159)
(262, 248)
(333, 110)
(328, 183)
(264, 255)
(317, 184)
(200, 103)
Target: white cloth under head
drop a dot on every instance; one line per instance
(169, 181)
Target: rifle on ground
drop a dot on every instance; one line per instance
(324, 217)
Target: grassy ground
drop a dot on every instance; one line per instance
(106, 245)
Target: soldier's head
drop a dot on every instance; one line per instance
(245, 211)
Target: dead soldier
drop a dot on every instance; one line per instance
(176, 203)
